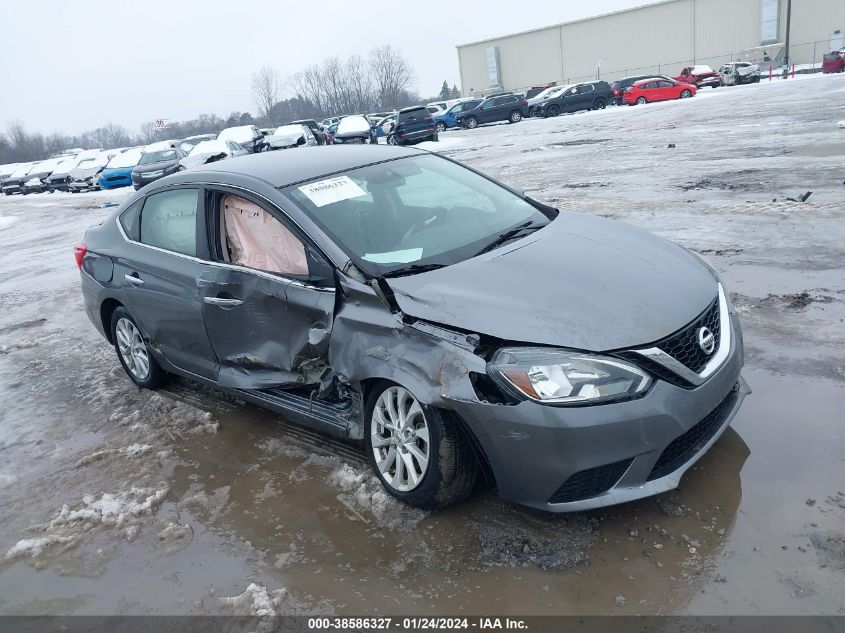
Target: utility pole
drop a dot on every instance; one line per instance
(788, 25)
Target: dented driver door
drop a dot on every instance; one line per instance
(266, 331)
(267, 300)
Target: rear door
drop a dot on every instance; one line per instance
(158, 272)
(267, 298)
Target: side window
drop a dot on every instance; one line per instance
(588, 88)
(253, 238)
(169, 221)
(130, 220)
(487, 104)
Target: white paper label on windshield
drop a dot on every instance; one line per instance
(332, 190)
(395, 257)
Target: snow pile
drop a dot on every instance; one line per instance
(121, 510)
(133, 450)
(362, 492)
(256, 601)
(841, 124)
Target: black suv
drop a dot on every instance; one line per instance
(315, 127)
(592, 95)
(413, 124)
(617, 88)
(509, 107)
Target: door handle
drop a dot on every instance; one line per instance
(220, 301)
(134, 279)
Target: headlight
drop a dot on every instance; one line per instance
(556, 376)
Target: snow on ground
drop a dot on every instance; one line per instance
(118, 499)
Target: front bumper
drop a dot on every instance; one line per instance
(566, 459)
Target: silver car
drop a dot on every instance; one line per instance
(455, 327)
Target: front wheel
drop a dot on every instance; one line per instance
(472, 123)
(391, 139)
(133, 353)
(419, 453)
(441, 127)
(552, 110)
(685, 94)
(515, 117)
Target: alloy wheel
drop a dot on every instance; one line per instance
(399, 437)
(132, 349)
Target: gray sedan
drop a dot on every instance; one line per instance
(457, 328)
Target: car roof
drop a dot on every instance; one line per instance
(414, 108)
(280, 169)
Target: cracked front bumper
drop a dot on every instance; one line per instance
(566, 459)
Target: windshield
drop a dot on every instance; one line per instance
(157, 157)
(418, 210)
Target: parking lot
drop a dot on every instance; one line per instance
(119, 500)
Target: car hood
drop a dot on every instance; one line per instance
(582, 282)
(165, 164)
(81, 174)
(195, 160)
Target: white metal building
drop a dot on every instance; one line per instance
(657, 38)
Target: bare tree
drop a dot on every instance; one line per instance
(265, 89)
(391, 74)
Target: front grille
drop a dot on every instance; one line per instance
(591, 482)
(683, 345)
(683, 447)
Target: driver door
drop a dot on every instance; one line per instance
(268, 300)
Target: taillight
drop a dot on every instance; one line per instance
(79, 253)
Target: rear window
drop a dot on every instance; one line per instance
(418, 113)
(169, 221)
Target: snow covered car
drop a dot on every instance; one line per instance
(354, 129)
(548, 93)
(36, 181)
(247, 136)
(6, 171)
(84, 176)
(156, 164)
(737, 73)
(211, 151)
(700, 76)
(118, 171)
(286, 136)
(60, 178)
(14, 181)
(191, 142)
(396, 297)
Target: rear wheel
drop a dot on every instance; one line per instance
(641, 100)
(553, 110)
(685, 94)
(441, 127)
(600, 103)
(133, 352)
(515, 116)
(419, 453)
(434, 137)
(391, 139)
(472, 123)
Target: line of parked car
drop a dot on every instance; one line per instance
(76, 170)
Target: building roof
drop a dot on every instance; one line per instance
(559, 24)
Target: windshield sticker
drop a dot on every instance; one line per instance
(332, 190)
(394, 257)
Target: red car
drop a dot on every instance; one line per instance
(657, 89)
(833, 62)
(699, 76)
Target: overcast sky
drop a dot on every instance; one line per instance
(73, 66)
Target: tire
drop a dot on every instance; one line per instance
(441, 127)
(553, 110)
(515, 117)
(131, 349)
(685, 94)
(450, 472)
(472, 123)
(435, 138)
(392, 140)
(600, 104)
(641, 100)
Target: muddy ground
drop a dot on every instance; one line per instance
(116, 500)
